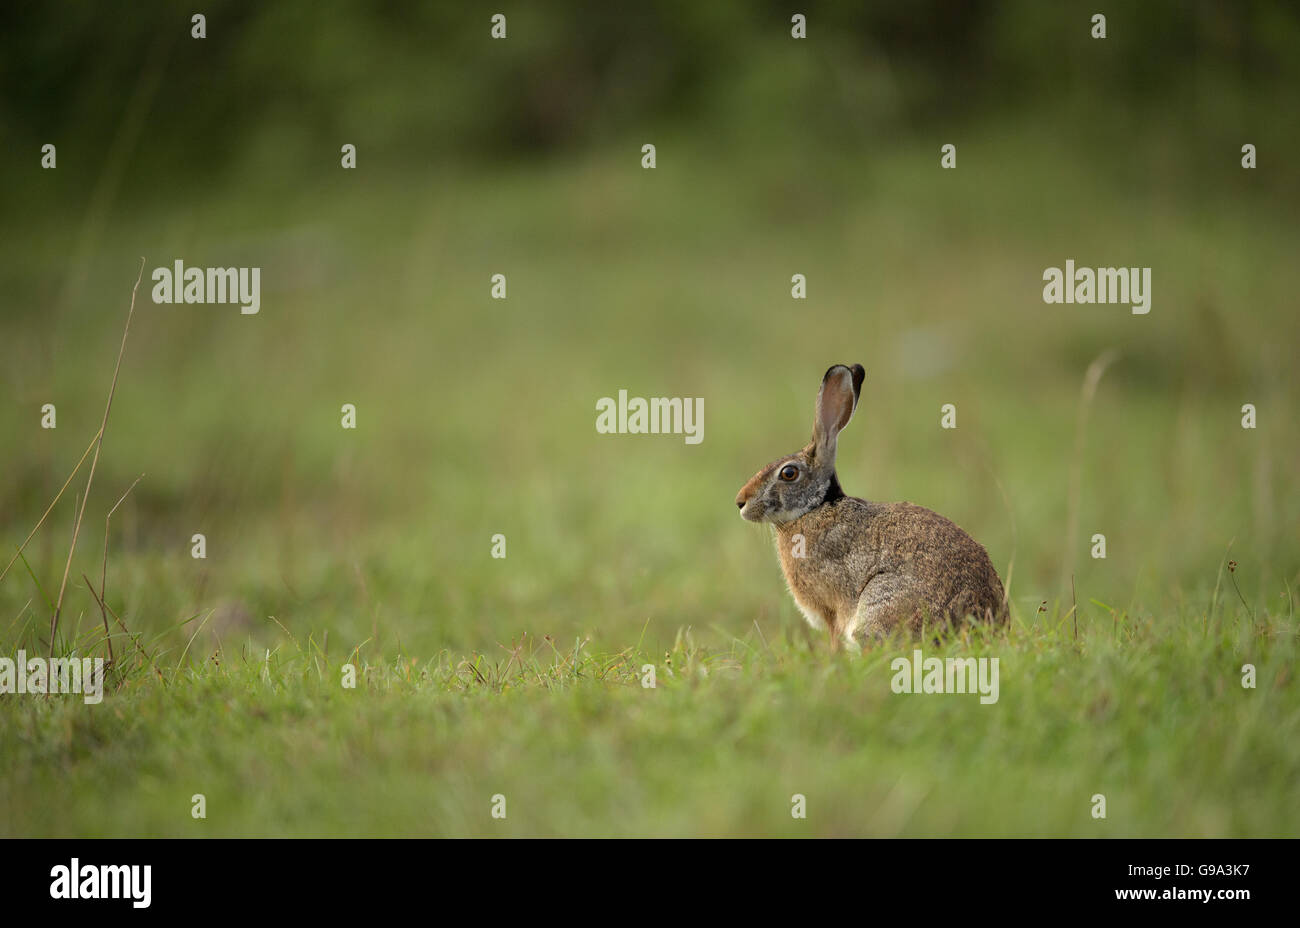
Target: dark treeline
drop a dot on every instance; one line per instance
(422, 80)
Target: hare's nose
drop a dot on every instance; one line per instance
(748, 491)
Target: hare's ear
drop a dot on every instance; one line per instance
(836, 401)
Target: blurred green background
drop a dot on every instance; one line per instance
(476, 416)
(523, 157)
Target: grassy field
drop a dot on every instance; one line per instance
(520, 676)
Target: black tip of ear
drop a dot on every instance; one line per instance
(856, 371)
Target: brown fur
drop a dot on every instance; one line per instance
(907, 565)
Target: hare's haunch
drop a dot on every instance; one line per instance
(858, 569)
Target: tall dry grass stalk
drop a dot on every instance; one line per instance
(99, 444)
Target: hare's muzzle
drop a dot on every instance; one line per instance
(746, 494)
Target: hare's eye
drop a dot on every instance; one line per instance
(789, 472)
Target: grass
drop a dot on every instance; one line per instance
(1159, 724)
(476, 417)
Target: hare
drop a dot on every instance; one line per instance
(860, 570)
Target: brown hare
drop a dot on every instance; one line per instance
(860, 570)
